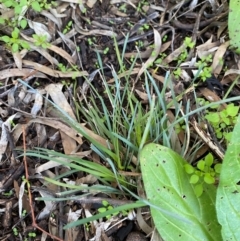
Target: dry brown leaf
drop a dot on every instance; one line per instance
(55, 91)
(53, 16)
(4, 137)
(40, 29)
(217, 64)
(37, 105)
(174, 55)
(90, 3)
(62, 53)
(40, 50)
(126, 73)
(7, 73)
(212, 97)
(147, 53)
(17, 59)
(232, 71)
(155, 52)
(142, 95)
(51, 72)
(72, 233)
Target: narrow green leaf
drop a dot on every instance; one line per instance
(167, 186)
(227, 202)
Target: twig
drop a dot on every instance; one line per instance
(34, 224)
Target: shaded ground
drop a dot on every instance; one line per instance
(160, 36)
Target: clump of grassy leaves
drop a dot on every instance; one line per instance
(127, 126)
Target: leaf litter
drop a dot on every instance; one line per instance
(69, 62)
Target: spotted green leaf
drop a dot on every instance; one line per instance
(167, 186)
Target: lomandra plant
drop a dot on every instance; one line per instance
(212, 216)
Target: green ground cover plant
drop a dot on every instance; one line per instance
(168, 185)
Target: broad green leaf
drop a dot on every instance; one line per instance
(213, 117)
(201, 165)
(218, 168)
(167, 186)
(23, 23)
(15, 47)
(209, 159)
(208, 178)
(36, 6)
(194, 179)
(198, 189)
(232, 110)
(233, 24)
(228, 193)
(189, 168)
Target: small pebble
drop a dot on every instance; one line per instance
(136, 236)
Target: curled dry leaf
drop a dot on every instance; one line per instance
(90, 3)
(4, 137)
(217, 64)
(55, 91)
(52, 17)
(23, 72)
(62, 53)
(40, 29)
(155, 52)
(72, 233)
(37, 104)
(40, 50)
(51, 72)
(17, 59)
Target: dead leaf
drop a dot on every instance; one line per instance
(51, 72)
(155, 52)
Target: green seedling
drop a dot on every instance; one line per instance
(177, 73)
(8, 194)
(206, 73)
(141, 4)
(41, 40)
(24, 212)
(105, 51)
(164, 38)
(32, 235)
(205, 172)
(224, 121)
(204, 61)
(139, 43)
(67, 28)
(14, 42)
(20, 6)
(144, 27)
(105, 208)
(91, 41)
(15, 231)
(189, 43)
(123, 8)
(160, 59)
